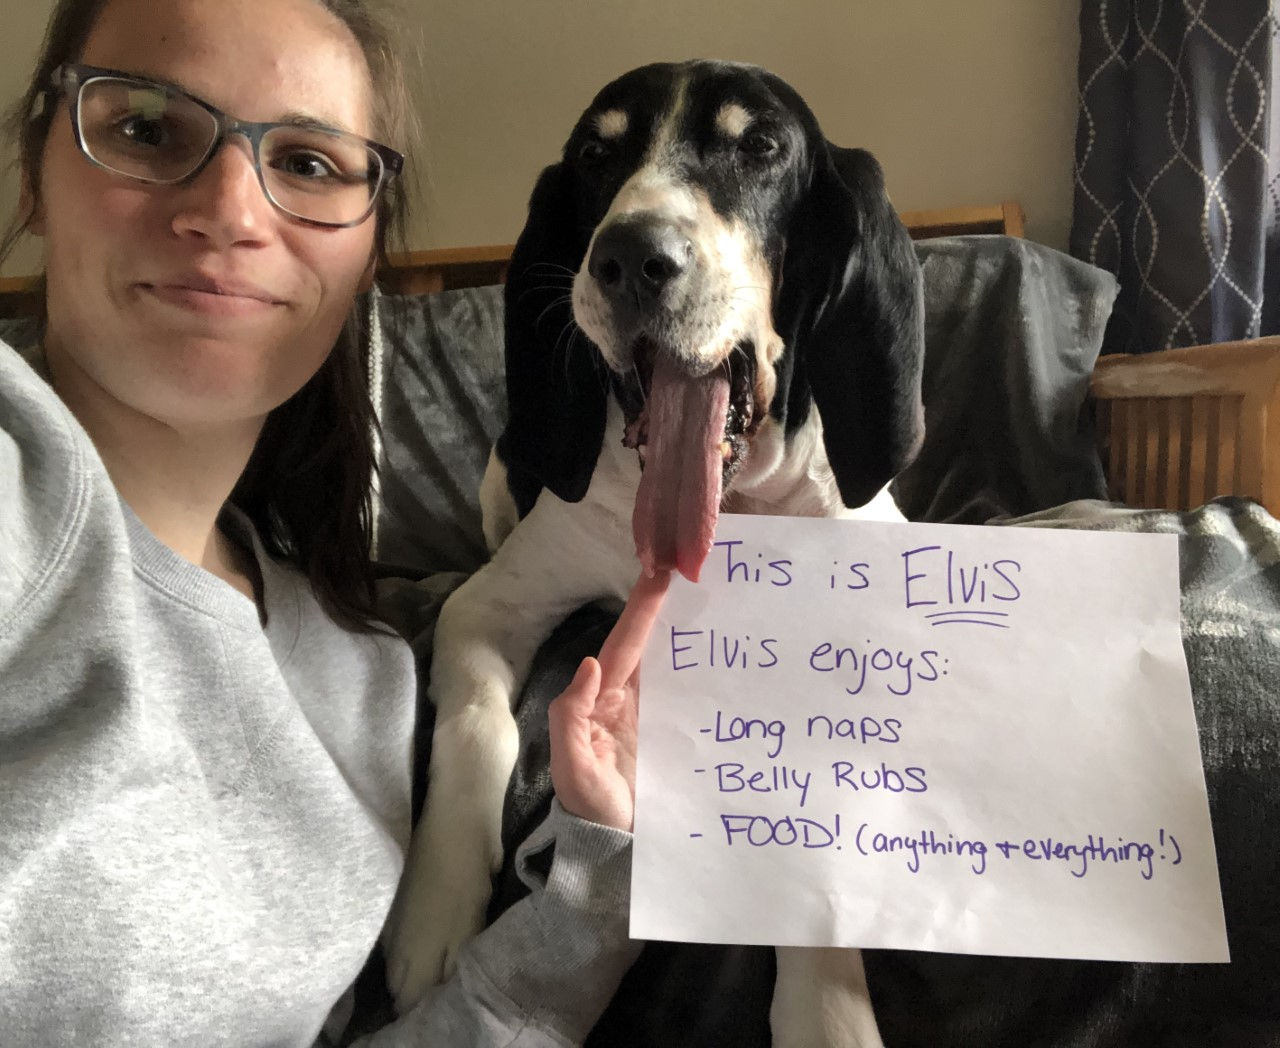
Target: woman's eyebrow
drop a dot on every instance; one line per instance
(294, 118)
(307, 120)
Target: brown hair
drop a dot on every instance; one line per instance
(308, 484)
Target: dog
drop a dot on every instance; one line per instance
(711, 308)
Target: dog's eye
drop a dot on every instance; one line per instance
(593, 151)
(758, 144)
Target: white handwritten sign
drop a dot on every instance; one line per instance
(927, 737)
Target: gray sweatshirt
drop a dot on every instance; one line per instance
(202, 820)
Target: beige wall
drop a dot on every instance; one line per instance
(23, 29)
(963, 101)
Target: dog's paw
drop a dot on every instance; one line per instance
(423, 950)
(821, 1000)
(441, 905)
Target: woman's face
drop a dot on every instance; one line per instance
(200, 304)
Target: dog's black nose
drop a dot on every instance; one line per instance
(635, 259)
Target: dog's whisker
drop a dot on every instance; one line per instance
(550, 286)
(553, 266)
(644, 393)
(533, 290)
(560, 300)
(566, 329)
(597, 362)
(570, 328)
(546, 270)
(568, 352)
(574, 330)
(550, 283)
(552, 305)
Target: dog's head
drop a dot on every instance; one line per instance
(729, 268)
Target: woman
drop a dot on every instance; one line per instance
(204, 735)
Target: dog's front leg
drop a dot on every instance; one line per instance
(821, 1000)
(456, 845)
(488, 633)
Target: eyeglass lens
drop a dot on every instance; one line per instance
(157, 135)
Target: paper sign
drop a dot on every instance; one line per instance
(925, 737)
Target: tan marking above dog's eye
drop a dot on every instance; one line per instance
(612, 123)
(733, 119)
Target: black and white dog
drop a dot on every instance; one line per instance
(711, 308)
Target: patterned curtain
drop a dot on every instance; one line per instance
(1177, 180)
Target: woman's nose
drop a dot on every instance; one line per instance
(225, 203)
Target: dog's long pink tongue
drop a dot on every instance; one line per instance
(679, 495)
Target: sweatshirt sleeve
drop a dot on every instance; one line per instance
(43, 485)
(543, 973)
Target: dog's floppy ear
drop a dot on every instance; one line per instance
(556, 390)
(851, 306)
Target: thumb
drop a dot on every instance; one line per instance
(580, 696)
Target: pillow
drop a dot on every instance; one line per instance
(441, 394)
(1012, 332)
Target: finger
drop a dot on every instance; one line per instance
(569, 725)
(579, 698)
(620, 654)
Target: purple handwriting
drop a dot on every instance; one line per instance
(864, 729)
(1094, 849)
(854, 576)
(899, 671)
(736, 777)
(1080, 857)
(926, 843)
(760, 830)
(934, 577)
(773, 732)
(740, 566)
(693, 648)
(856, 665)
(850, 776)
(732, 777)
(931, 575)
(737, 729)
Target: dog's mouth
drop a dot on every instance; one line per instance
(740, 416)
(692, 434)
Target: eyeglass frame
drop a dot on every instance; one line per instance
(75, 75)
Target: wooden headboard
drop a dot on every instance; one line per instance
(444, 269)
(1182, 426)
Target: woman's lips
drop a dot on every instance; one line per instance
(213, 297)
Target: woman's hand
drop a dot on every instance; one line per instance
(593, 723)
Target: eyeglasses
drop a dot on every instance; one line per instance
(158, 134)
